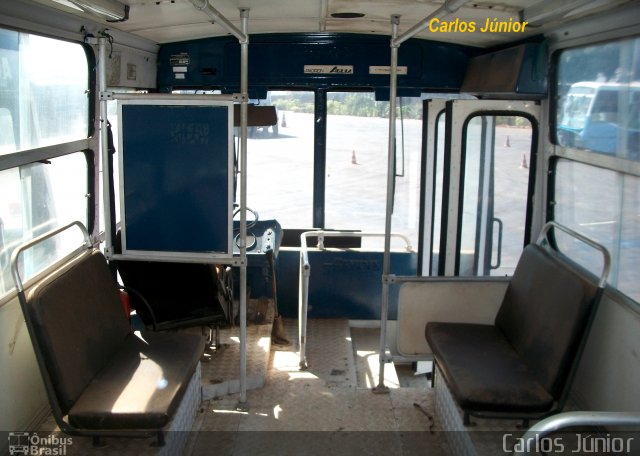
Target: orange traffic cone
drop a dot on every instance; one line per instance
(523, 162)
(283, 124)
(354, 161)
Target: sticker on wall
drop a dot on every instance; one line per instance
(132, 72)
(180, 63)
(382, 69)
(328, 69)
(179, 59)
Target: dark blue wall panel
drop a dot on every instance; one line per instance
(278, 60)
(175, 161)
(343, 283)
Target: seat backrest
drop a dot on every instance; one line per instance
(544, 314)
(174, 291)
(79, 322)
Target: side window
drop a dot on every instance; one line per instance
(37, 198)
(605, 206)
(597, 96)
(598, 99)
(44, 101)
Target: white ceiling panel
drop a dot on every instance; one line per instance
(177, 20)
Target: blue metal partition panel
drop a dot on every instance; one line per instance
(342, 284)
(176, 169)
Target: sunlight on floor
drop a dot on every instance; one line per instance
(263, 342)
(286, 361)
(229, 412)
(371, 362)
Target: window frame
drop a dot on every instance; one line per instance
(558, 152)
(86, 146)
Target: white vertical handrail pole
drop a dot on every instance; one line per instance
(300, 308)
(244, 89)
(104, 144)
(303, 304)
(386, 263)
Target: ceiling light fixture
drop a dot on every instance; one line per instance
(111, 10)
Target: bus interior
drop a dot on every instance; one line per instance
(320, 226)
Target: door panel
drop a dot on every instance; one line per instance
(490, 153)
(434, 120)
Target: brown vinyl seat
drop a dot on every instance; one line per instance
(520, 366)
(100, 375)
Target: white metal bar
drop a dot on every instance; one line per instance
(530, 441)
(303, 307)
(27, 245)
(322, 23)
(243, 38)
(217, 17)
(320, 233)
(177, 257)
(104, 146)
(448, 8)
(244, 89)
(606, 267)
(391, 157)
(15, 159)
(541, 12)
(235, 97)
(305, 273)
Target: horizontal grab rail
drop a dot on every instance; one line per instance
(235, 97)
(27, 245)
(570, 419)
(322, 234)
(305, 273)
(590, 242)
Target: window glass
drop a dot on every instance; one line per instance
(43, 92)
(357, 156)
(598, 91)
(37, 198)
(605, 206)
(496, 194)
(280, 161)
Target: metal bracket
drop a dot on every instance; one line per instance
(389, 279)
(108, 252)
(107, 95)
(238, 262)
(387, 358)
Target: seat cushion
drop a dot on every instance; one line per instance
(483, 371)
(142, 385)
